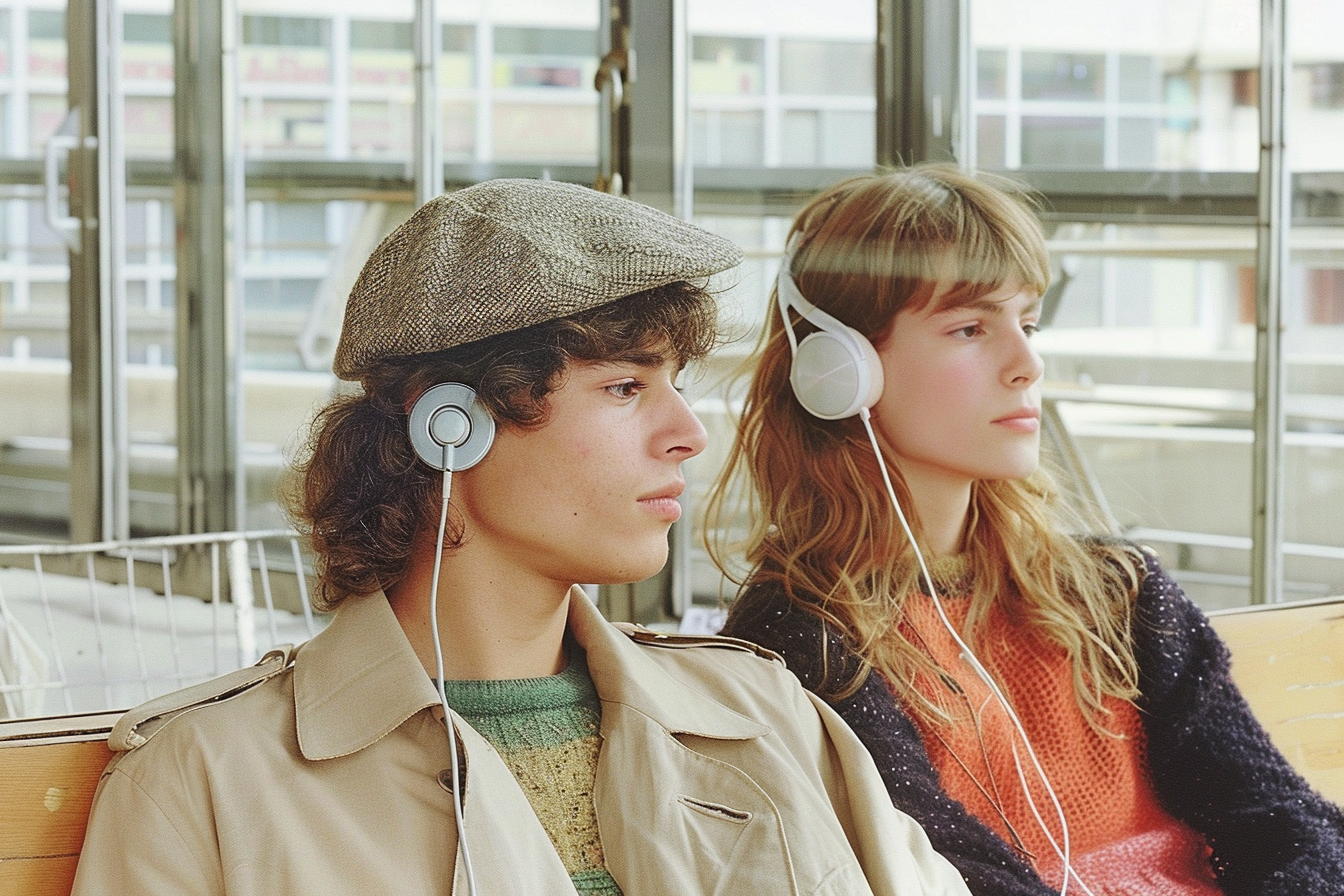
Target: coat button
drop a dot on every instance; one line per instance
(446, 779)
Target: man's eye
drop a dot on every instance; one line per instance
(626, 388)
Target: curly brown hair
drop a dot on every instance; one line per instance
(360, 493)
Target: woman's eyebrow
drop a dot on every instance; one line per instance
(986, 306)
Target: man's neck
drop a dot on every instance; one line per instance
(494, 622)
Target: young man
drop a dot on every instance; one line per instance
(451, 523)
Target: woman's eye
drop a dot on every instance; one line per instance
(968, 331)
(1031, 329)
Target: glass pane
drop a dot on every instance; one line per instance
(381, 103)
(727, 66)
(1173, 85)
(46, 44)
(147, 72)
(4, 42)
(457, 65)
(1062, 142)
(283, 127)
(1149, 359)
(542, 107)
(991, 81)
(544, 132)
(828, 67)
(1314, 341)
(1063, 76)
(34, 285)
(285, 50)
(545, 57)
(796, 91)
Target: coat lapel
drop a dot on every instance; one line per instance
(672, 818)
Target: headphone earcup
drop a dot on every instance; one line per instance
(449, 416)
(835, 374)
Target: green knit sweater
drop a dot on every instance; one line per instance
(546, 731)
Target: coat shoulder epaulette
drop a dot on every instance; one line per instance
(650, 638)
(138, 725)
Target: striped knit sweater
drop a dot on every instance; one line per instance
(546, 731)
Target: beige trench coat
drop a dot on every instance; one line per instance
(717, 774)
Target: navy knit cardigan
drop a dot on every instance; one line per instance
(1213, 765)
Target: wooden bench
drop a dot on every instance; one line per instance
(1288, 659)
(49, 769)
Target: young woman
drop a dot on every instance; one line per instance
(1052, 709)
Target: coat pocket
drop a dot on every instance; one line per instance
(715, 810)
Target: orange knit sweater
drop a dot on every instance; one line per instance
(1121, 841)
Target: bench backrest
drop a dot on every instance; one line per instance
(49, 769)
(1288, 659)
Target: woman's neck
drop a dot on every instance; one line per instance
(942, 508)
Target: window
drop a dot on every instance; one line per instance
(381, 56)
(285, 31)
(1063, 76)
(46, 43)
(376, 35)
(827, 138)
(1246, 87)
(545, 57)
(991, 74)
(1327, 86)
(1062, 142)
(727, 66)
(285, 50)
(1325, 296)
(457, 65)
(147, 51)
(826, 67)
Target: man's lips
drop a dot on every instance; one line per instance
(663, 503)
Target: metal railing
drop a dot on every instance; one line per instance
(106, 625)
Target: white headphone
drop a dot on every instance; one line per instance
(450, 429)
(836, 371)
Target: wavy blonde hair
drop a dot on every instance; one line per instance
(822, 527)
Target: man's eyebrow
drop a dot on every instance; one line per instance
(642, 361)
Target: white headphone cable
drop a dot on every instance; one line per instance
(438, 665)
(984, 676)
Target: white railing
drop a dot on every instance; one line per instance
(78, 633)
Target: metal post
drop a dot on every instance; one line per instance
(964, 134)
(1273, 223)
(99, 449)
(613, 114)
(207, 198)
(656, 87)
(428, 118)
(919, 48)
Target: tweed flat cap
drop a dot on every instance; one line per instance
(506, 254)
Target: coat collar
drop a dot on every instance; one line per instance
(625, 672)
(359, 680)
